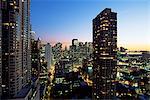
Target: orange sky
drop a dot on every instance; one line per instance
(137, 47)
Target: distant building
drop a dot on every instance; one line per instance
(57, 51)
(36, 66)
(133, 79)
(48, 54)
(122, 49)
(80, 50)
(63, 67)
(146, 55)
(105, 54)
(35, 57)
(65, 53)
(75, 42)
(87, 68)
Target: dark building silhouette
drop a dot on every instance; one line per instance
(105, 53)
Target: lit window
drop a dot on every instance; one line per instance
(7, 24)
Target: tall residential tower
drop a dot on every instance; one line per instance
(16, 67)
(105, 51)
(11, 47)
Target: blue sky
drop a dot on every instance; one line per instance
(62, 20)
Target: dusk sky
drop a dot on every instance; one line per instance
(62, 20)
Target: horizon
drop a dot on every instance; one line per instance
(73, 19)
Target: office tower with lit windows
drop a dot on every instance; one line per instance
(11, 47)
(15, 46)
(104, 59)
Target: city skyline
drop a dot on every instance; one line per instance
(75, 21)
(34, 68)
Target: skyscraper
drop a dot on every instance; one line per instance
(11, 47)
(15, 46)
(105, 51)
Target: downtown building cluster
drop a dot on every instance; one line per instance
(67, 80)
(71, 57)
(133, 74)
(89, 66)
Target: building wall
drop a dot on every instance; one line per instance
(11, 47)
(35, 57)
(48, 55)
(26, 48)
(105, 53)
(57, 51)
(15, 22)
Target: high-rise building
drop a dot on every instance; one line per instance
(105, 53)
(15, 47)
(26, 43)
(11, 47)
(48, 54)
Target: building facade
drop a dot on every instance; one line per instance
(15, 29)
(48, 54)
(105, 54)
(26, 42)
(35, 51)
(11, 47)
(63, 67)
(57, 51)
